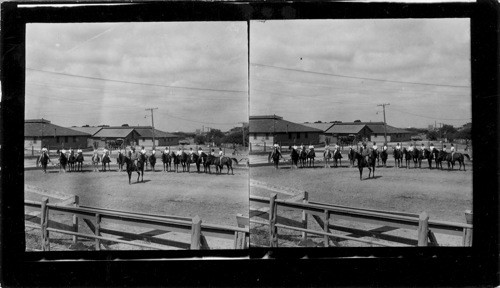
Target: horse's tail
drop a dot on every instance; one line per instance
(235, 160)
(467, 155)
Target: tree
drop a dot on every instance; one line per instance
(357, 121)
(125, 125)
(213, 134)
(319, 121)
(448, 131)
(432, 135)
(199, 139)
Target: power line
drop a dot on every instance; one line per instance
(354, 77)
(436, 118)
(136, 83)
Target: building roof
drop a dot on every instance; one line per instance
(146, 131)
(90, 130)
(270, 125)
(41, 127)
(266, 117)
(376, 127)
(320, 126)
(114, 133)
(344, 128)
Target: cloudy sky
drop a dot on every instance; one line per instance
(109, 73)
(310, 70)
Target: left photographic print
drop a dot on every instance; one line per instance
(135, 136)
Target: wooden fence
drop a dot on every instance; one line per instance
(94, 217)
(323, 213)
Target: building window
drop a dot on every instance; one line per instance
(254, 135)
(66, 139)
(143, 140)
(289, 135)
(305, 135)
(34, 140)
(74, 139)
(375, 135)
(267, 136)
(57, 139)
(298, 135)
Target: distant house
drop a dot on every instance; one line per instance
(269, 129)
(41, 132)
(351, 130)
(106, 135)
(324, 137)
(161, 138)
(91, 141)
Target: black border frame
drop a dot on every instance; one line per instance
(477, 265)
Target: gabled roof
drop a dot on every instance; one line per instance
(377, 127)
(114, 133)
(39, 128)
(342, 128)
(320, 126)
(278, 126)
(146, 131)
(90, 130)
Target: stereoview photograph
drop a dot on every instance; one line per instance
(135, 136)
(360, 133)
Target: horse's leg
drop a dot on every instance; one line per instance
(129, 176)
(360, 172)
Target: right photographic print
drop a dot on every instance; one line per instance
(360, 133)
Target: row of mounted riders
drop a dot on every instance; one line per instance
(368, 157)
(138, 161)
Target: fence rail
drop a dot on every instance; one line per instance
(322, 212)
(95, 216)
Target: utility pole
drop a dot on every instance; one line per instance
(153, 124)
(243, 132)
(274, 128)
(385, 124)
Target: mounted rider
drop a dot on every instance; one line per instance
(134, 155)
(411, 148)
(398, 147)
(276, 150)
(364, 152)
(452, 150)
(374, 146)
(221, 154)
(327, 150)
(384, 148)
(431, 147)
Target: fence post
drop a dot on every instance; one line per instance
(273, 211)
(196, 233)
(305, 200)
(467, 241)
(75, 218)
(44, 223)
(325, 227)
(423, 229)
(97, 231)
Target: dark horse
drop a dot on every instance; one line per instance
(182, 159)
(416, 156)
(105, 160)
(79, 162)
(63, 161)
(71, 161)
(139, 168)
(439, 157)
(120, 160)
(337, 156)
(166, 158)
(427, 154)
(302, 157)
(398, 157)
(310, 157)
(228, 162)
(44, 160)
(152, 161)
(295, 157)
(275, 155)
(193, 158)
(383, 157)
(408, 157)
(363, 162)
(352, 156)
(456, 157)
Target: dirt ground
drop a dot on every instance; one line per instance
(216, 199)
(444, 195)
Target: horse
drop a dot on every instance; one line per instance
(211, 160)
(193, 158)
(440, 156)
(456, 157)
(327, 155)
(295, 157)
(183, 158)
(302, 157)
(177, 161)
(44, 160)
(408, 157)
(166, 158)
(351, 155)
(95, 162)
(415, 154)
(398, 157)
(63, 161)
(120, 159)
(310, 157)
(225, 161)
(152, 161)
(362, 162)
(79, 162)
(139, 168)
(106, 160)
(72, 161)
(275, 155)
(383, 156)
(337, 156)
